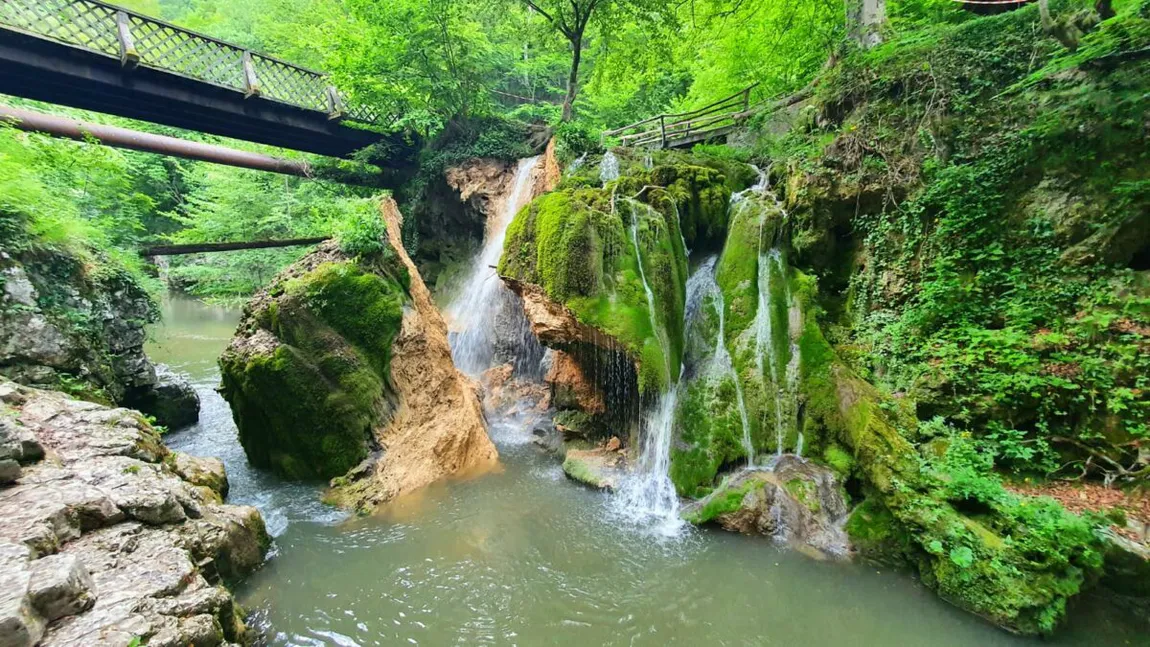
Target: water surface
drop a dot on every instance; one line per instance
(525, 557)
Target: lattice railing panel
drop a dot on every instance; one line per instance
(173, 50)
(291, 84)
(92, 25)
(89, 25)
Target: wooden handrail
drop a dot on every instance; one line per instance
(743, 94)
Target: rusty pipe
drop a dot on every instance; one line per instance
(139, 141)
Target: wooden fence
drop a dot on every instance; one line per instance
(685, 128)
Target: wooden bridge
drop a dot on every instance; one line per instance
(687, 128)
(96, 56)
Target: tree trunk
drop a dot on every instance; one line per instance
(573, 80)
(864, 21)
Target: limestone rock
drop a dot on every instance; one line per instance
(41, 342)
(796, 501)
(19, 624)
(103, 541)
(1127, 567)
(60, 586)
(202, 471)
(9, 471)
(571, 387)
(553, 323)
(481, 182)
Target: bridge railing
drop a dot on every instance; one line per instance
(662, 131)
(136, 40)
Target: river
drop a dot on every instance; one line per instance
(525, 557)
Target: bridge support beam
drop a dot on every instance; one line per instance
(135, 140)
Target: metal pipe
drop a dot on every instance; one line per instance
(148, 142)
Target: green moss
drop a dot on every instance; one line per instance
(307, 406)
(838, 459)
(724, 500)
(365, 308)
(578, 470)
(701, 197)
(805, 492)
(711, 436)
(874, 532)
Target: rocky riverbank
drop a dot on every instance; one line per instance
(65, 327)
(106, 536)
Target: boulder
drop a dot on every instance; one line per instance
(600, 468)
(344, 358)
(20, 626)
(9, 471)
(205, 472)
(307, 372)
(437, 428)
(172, 399)
(796, 501)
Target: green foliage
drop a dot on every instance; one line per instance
(574, 139)
(1001, 287)
(362, 233)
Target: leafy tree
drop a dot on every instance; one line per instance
(571, 19)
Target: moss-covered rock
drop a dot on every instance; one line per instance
(597, 252)
(307, 374)
(1014, 560)
(796, 501)
(764, 303)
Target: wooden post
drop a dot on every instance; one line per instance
(129, 57)
(251, 83)
(335, 108)
(746, 99)
(662, 131)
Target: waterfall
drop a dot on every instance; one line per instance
(700, 287)
(476, 311)
(773, 335)
(647, 495)
(577, 164)
(609, 168)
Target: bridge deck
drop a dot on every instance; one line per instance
(89, 55)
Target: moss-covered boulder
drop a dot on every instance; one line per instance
(307, 373)
(796, 501)
(614, 257)
(1014, 560)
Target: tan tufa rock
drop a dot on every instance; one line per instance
(438, 428)
(570, 386)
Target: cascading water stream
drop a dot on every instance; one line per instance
(701, 286)
(774, 286)
(609, 168)
(647, 495)
(483, 296)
